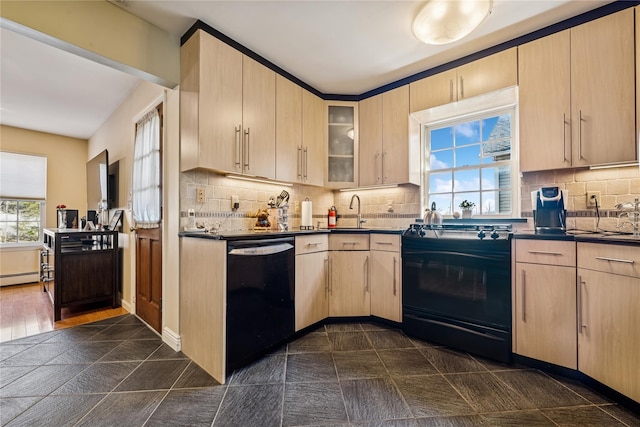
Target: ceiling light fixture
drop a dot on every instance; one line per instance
(445, 21)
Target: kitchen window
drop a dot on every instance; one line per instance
(471, 157)
(23, 189)
(20, 221)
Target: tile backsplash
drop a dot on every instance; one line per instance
(386, 207)
(616, 185)
(398, 207)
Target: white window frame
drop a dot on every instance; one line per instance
(468, 110)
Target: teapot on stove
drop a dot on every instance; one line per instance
(432, 216)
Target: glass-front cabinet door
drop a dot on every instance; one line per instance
(342, 145)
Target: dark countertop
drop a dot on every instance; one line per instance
(267, 234)
(581, 236)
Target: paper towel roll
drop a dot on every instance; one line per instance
(306, 214)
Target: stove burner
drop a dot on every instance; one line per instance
(460, 231)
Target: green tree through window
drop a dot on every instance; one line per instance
(20, 221)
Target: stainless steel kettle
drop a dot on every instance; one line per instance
(436, 216)
(432, 216)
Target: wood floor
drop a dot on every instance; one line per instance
(25, 310)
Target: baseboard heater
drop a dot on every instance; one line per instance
(19, 278)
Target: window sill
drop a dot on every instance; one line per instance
(15, 247)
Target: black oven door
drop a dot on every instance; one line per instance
(467, 280)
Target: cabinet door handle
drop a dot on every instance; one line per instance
(326, 277)
(300, 162)
(366, 274)
(580, 135)
(461, 88)
(524, 296)
(625, 261)
(579, 292)
(238, 145)
(247, 134)
(384, 177)
(306, 162)
(395, 286)
(330, 278)
(564, 137)
(545, 253)
(451, 90)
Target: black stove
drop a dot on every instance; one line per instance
(460, 231)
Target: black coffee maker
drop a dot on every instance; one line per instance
(550, 213)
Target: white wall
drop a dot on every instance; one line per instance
(117, 135)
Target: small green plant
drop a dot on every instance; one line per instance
(467, 205)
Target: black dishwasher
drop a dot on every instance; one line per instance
(260, 297)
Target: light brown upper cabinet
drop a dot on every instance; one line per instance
(299, 134)
(577, 96)
(485, 75)
(289, 147)
(384, 138)
(313, 138)
(227, 109)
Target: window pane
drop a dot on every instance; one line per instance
(441, 160)
(440, 182)
(467, 180)
(8, 233)
(29, 232)
(467, 133)
(441, 138)
(498, 127)
(8, 210)
(468, 156)
(29, 211)
(500, 201)
(471, 197)
(443, 203)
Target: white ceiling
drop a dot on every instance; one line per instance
(338, 47)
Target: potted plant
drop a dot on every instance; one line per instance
(467, 208)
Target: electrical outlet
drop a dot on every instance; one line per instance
(390, 206)
(200, 198)
(593, 199)
(235, 203)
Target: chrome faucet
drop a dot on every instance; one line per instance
(360, 220)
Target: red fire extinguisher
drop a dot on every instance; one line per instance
(333, 217)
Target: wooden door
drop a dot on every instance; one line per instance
(312, 288)
(545, 313)
(603, 90)
(609, 338)
(149, 260)
(289, 150)
(395, 136)
(149, 276)
(313, 138)
(370, 111)
(349, 288)
(545, 103)
(386, 298)
(259, 119)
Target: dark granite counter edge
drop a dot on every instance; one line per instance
(271, 234)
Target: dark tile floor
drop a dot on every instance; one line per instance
(117, 372)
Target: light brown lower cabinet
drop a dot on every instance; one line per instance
(349, 283)
(545, 321)
(312, 288)
(609, 325)
(386, 281)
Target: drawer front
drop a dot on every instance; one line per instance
(549, 252)
(312, 243)
(349, 242)
(616, 259)
(385, 242)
